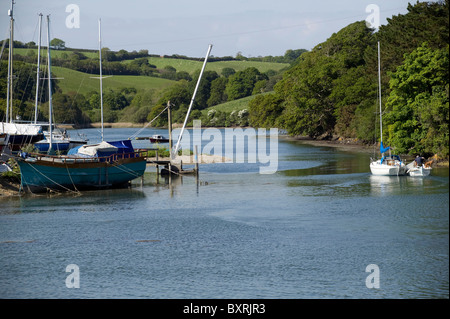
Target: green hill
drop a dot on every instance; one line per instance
(186, 65)
(84, 83)
(191, 66)
(54, 53)
(235, 105)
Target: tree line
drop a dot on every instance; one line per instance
(332, 90)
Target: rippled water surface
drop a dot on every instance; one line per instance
(307, 231)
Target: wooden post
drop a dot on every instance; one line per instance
(169, 115)
(157, 166)
(196, 161)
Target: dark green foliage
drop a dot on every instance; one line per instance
(333, 90)
(264, 110)
(241, 83)
(419, 101)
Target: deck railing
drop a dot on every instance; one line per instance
(73, 159)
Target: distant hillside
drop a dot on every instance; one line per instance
(84, 83)
(192, 66)
(140, 84)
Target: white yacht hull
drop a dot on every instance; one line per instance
(387, 170)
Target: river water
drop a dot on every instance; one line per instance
(309, 230)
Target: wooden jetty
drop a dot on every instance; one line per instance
(170, 166)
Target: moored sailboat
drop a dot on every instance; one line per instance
(390, 165)
(20, 134)
(55, 140)
(103, 165)
(62, 142)
(419, 169)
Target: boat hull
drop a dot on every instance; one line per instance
(77, 174)
(16, 142)
(159, 140)
(387, 170)
(420, 171)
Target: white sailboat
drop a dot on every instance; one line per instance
(55, 139)
(20, 134)
(388, 165)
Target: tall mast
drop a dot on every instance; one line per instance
(100, 58)
(379, 92)
(50, 107)
(9, 91)
(175, 150)
(38, 70)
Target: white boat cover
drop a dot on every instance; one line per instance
(20, 129)
(92, 150)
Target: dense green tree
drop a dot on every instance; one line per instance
(114, 100)
(290, 56)
(218, 94)
(424, 22)
(264, 110)
(58, 44)
(241, 83)
(418, 103)
(315, 92)
(204, 88)
(24, 86)
(66, 109)
(227, 72)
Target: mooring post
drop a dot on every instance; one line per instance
(169, 120)
(157, 166)
(196, 161)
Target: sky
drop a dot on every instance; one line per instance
(250, 27)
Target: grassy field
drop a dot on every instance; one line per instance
(192, 66)
(84, 83)
(189, 66)
(242, 65)
(54, 53)
(235, 105)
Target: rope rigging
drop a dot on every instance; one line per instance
(143, 128)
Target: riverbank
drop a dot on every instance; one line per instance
(9, 187)
(353, 145)
(343, 144)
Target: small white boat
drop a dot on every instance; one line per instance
(418, 170)
(159, 139)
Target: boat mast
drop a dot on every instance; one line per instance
(9, 91)
(175, 150)
(50, 108)
(38, 70)
(379, 93)
(100, 58)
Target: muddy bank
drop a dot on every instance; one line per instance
(9, 187)
(343, 144)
